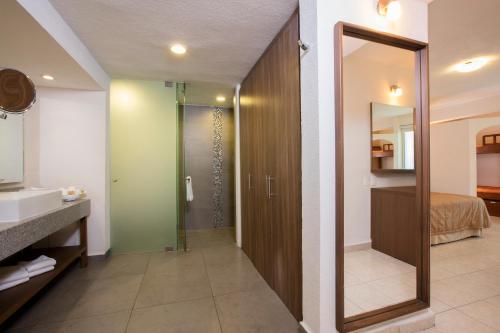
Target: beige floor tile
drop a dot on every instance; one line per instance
(473, 283)
(176, 263)
(198, 316)
(114, 266)
(454, 321)
(257, 311)
(106, 296)
(452, 296)
(395, 288)
(438, 306)
(233, 277)
(157, 289)
(111, 323)
(367, 297)
(351, 309)
(483, 311)
(351, 279)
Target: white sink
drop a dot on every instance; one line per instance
(17, 206)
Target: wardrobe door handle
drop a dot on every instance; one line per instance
(270, 193)
(249, 181)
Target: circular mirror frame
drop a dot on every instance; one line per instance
(29, 82)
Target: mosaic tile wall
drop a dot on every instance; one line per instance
(209, 160)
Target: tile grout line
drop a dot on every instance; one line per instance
(137, 295)
(212, 291)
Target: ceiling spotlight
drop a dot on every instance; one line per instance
(471, 65)
(396, 91)
(220, 99)
(48, 77)
(178, 49)
(390, 9)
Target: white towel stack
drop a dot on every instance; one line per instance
(38, 266)
(11, 276)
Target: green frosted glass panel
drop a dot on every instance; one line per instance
(143, 166)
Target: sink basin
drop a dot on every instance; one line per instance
(17, 206)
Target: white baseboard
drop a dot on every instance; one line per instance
(358, 247)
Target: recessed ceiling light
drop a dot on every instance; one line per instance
(471, 65)
(48, 77)
(220, 99)
(178, 49)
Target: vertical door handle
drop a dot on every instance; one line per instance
(269, 180)
(249, 181)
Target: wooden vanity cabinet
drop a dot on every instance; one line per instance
(393, 222)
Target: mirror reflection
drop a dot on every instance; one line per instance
(393, 137)
(379, 208)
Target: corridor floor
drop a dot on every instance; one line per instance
(212, 288)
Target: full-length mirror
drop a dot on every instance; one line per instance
(381, 218)
(393, 136)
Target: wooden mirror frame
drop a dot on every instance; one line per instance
(422, 173)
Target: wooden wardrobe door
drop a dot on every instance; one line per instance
(272, 225)
(287, 165)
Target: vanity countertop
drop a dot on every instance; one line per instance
(16, 236)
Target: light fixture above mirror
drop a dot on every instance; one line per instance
(391, 9)
(396, 91)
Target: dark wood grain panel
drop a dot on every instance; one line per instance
(393, 222)
(270, 154)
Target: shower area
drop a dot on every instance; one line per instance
(206, 164)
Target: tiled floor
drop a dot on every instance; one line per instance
(465, 283)
(374, 280)
(212, 288)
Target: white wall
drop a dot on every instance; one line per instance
(453, 155)
(69, 147)
(317, 19)
(366, 82)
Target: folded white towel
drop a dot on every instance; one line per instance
(12, 273)
(4, 286)
(38, 263)
(41, 271)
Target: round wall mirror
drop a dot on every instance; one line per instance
(17, 91)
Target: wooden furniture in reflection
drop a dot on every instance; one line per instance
(393, 222)
(491, 144)
(491, 197)
(378, 153)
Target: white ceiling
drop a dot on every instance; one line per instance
(377, 53)
(27, 47)
(205, 94)
(459, 30)
(131, 39)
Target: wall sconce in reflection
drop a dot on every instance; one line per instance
(391, 9)
(396, 91)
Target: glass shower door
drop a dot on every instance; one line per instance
(143, 124)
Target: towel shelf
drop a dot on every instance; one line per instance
(11, 300)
